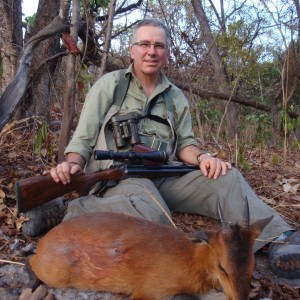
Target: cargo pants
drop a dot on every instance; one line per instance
(191, 193)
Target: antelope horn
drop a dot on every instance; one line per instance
(246, 219)
(223, 222)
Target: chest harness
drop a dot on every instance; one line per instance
(112, 140)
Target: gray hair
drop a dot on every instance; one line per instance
(154, 23)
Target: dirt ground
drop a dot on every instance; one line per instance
(274, 177)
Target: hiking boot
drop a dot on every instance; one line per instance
(44, 217)
(285, 257)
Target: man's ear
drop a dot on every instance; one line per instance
(131, 51)
(168, 56)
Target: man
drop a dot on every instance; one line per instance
(164, 123)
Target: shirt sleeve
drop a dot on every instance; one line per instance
(183, 120)
(97, 103)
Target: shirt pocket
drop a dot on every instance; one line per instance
(131, 104)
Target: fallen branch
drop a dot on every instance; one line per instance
(227, 97)
(11, 262)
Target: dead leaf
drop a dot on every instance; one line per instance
(32, 168)
(69, 43)
(295, 188)
(10, 185)
(2, 194)
(297, 198)
(9, 219)
(44, 152)
(20, 221)
(287, 180)
(2, 206)
(12, 155)
(287, 187)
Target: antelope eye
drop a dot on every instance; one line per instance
(222, 269)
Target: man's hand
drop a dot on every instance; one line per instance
(62, 172)
(213, 167)
(210, 166)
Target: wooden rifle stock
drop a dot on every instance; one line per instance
(34, 191)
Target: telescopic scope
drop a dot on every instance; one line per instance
(155, 156)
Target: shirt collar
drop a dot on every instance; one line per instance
(163, 81)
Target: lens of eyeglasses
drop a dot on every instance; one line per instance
(147, 44)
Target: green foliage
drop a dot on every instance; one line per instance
(286, 120)
(30, 20)
(84, 79)
(269, 72)
(41, 137)
(275, 159)
(212, 114)
(262, 122)
(263, 80)
(295, 143)
(94, 6)
(243, 163)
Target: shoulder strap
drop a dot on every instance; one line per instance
(169, 104)
(121, 88)
(155, 118)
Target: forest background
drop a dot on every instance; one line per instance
(237, 62)
(244, 53)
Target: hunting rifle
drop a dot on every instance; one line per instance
(34, 191)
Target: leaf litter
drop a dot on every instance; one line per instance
(277, 185)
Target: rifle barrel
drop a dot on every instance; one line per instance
(159, 171)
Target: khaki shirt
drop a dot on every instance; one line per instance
(99, 100)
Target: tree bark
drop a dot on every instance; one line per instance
(297, 5)
(37, 98)
(69, 103)
(17, 88)
(11, 40)
(109, 27)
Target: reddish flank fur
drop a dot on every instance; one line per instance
(122, 254)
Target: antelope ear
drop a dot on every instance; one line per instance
(259, 225)
(199, 237)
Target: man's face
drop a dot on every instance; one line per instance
(149, 59)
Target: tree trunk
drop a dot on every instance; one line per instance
(11, 40)
(17, 88)
(297, 5)
(219, 68)
(69, 103)
(290, 74)
(109, 26)
(37, 100)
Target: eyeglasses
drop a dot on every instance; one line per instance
(146, 45)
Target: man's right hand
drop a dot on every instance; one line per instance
(62, 172)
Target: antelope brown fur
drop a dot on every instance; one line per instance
(122, 254)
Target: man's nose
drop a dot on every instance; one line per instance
(152, 49)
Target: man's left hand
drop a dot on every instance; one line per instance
(213, 167)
